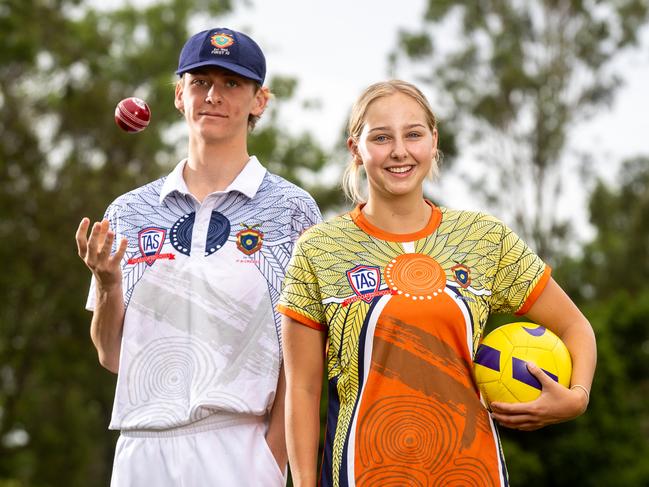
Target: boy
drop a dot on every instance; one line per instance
(187, 271)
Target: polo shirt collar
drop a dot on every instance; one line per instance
(247, 181)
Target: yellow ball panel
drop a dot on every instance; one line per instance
(485, 375)
(496, 392)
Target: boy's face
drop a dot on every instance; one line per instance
(216, 103)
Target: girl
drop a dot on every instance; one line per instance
(397, 293)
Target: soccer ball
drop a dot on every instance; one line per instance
(500, 362)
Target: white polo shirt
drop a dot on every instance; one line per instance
(201, 281)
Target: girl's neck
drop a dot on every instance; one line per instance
(407, 214)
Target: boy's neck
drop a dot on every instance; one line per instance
(213, 167)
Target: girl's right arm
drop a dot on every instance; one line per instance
(304, 364)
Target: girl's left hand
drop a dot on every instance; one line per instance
(555, 405)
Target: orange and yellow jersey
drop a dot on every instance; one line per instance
(404, 314)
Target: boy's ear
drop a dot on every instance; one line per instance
(178, 96)
(262, 95)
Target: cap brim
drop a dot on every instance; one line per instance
(246, 73)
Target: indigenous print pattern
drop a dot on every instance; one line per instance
(201, 333)
(403, 407)
(285, 210)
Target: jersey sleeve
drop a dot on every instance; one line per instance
(301, 298)
(305, 215)
(520, 276)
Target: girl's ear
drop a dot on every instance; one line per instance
(178, 96)
(353, 149)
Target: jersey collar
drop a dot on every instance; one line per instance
(247, 181)
(433, 223)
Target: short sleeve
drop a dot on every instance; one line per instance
(520, 275)
(301, 298)
(305, 215)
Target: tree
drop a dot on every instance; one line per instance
(616, 260)
(517, 77)
(63, 67)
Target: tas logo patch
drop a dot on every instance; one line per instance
(365, 281)
(151, 240)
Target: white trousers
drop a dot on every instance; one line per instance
(204, 456)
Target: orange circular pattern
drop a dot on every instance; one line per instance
(406, 430)
(469, 472)
(415, 276)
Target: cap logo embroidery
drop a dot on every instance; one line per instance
(221, 42)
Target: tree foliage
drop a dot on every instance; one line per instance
(64, 64)
(516, 77)
(616, 260)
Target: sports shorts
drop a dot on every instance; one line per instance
(209, 453)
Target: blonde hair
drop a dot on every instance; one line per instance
(353, 177)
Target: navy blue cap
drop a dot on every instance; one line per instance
(226, 48)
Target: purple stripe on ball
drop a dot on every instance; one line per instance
(520, 373)
(488, 357)
(537, 332)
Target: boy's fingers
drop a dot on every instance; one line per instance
(121, 250)
(93, 240)
(104, 228)
(98, 236)
(82, 237)
(107, 246)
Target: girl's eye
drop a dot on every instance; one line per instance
(414, 135)
(381, 138)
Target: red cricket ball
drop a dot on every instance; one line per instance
(132, 114)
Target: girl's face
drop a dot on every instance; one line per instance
(396, 147)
